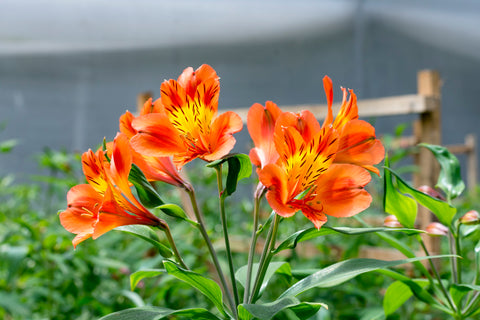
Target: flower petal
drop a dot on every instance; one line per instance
(156, 136)
(340, 190)
(274, 179)
(221, 140)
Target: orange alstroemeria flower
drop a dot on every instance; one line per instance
(106, 202)
(187, 126)
(154, 168)
(305, 178)
(261, 126)
(358, 144)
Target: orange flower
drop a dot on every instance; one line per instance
(106, 202)
(187, 127)
(154, 168)
(305, 178)
(261, 124)
(358, 144)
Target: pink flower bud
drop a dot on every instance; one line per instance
(431, 192)
(471, 217)
(392, 222)
(436, 229)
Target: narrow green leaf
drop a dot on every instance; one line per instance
(146, 192)
(401, 206)
(239, 167)
(267, 311)
(155, 313)
(342, 271)
(307, 234)
(206, 286)
(449, 179)
(147, 234)
(134, 297)
(442, 210)
(173, 211)
(138, 276)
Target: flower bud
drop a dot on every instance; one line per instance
(471, 217)
(436, 229)
(392, 222)
(431, 192)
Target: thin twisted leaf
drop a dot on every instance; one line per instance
(239, 167)
(207, 287)
(154, 313)
(147, 234)
(267, 311)
(342, 271)
(449, 179)
(307, 234)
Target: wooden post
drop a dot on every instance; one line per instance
(428, 130)
(142, 98)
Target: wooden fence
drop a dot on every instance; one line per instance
(427, 128)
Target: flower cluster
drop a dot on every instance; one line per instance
(304, 166)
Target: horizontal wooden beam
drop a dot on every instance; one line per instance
(389, 106)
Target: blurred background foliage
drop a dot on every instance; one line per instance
(43, 277)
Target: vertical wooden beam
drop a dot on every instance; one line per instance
(141, 98)
(428, 130)
(471, 143)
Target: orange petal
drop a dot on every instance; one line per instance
(156, 136)
(190, 79)
(275, 180)
(79, 218)
(327, 86)
(340, 190)
(305, 123)
(94, 170)
(348, 110)
(125, 124)
(221, 139)
(155, 107)
(359, 146)
(317, 217)
(121, 161)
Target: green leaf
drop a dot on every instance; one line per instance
(395, 296)
(458, 292)
(441, 209)
(449, 179)
(267, 311)
(208, 287)
(7, 145)
(138, 276)
(154, 313)
(239, 167)
(342, 271)
(146, 192)
(401, 206)
(147, 234)
(173, 210)
(273, 267)
(307, 234)
(134, 297)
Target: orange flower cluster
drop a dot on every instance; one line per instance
(320, 170)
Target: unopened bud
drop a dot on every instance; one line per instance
(471, 217)
(392, 222)
(431, 192)
(436, 229)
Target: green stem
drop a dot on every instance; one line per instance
(225, 233)
(203, 231)
(472, 305)
(174, 247)
(458, 253)
(253, 244)
(434, 269)
(265, 258)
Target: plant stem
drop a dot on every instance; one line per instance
(453, 260)
(253, 244)
(265, 258)
(225, 233)
(174, 247)
(203, 231)
(434, 269)
(458, 249)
